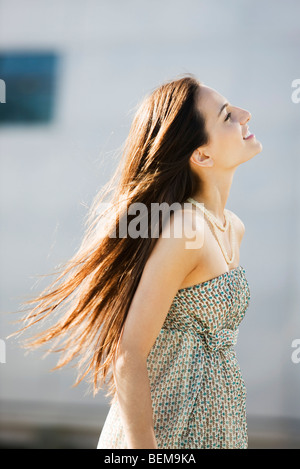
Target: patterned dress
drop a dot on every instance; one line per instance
(197, 390)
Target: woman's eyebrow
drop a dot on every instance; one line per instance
(222, 107)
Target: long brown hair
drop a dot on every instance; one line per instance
(96, 286)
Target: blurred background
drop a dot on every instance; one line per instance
(74, 71)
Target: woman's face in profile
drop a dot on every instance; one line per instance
(230, 139)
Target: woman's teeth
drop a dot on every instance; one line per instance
(247, 134)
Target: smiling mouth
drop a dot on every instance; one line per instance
(248, 135)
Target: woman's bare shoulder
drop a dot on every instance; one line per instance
(238, 224)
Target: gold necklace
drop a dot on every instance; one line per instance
(215, 224)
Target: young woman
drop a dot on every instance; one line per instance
(151, 317)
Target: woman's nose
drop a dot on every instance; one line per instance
(245, 116)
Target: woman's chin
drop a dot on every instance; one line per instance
(260, 147)
(255, 151)
(257, 147)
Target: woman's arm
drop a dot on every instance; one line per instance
(133, 391)
(168, 265)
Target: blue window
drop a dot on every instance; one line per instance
(30, 82)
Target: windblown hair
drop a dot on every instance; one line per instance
(94, 289)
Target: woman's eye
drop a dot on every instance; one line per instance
(228, 116)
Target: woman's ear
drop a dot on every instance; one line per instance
(200, 158)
